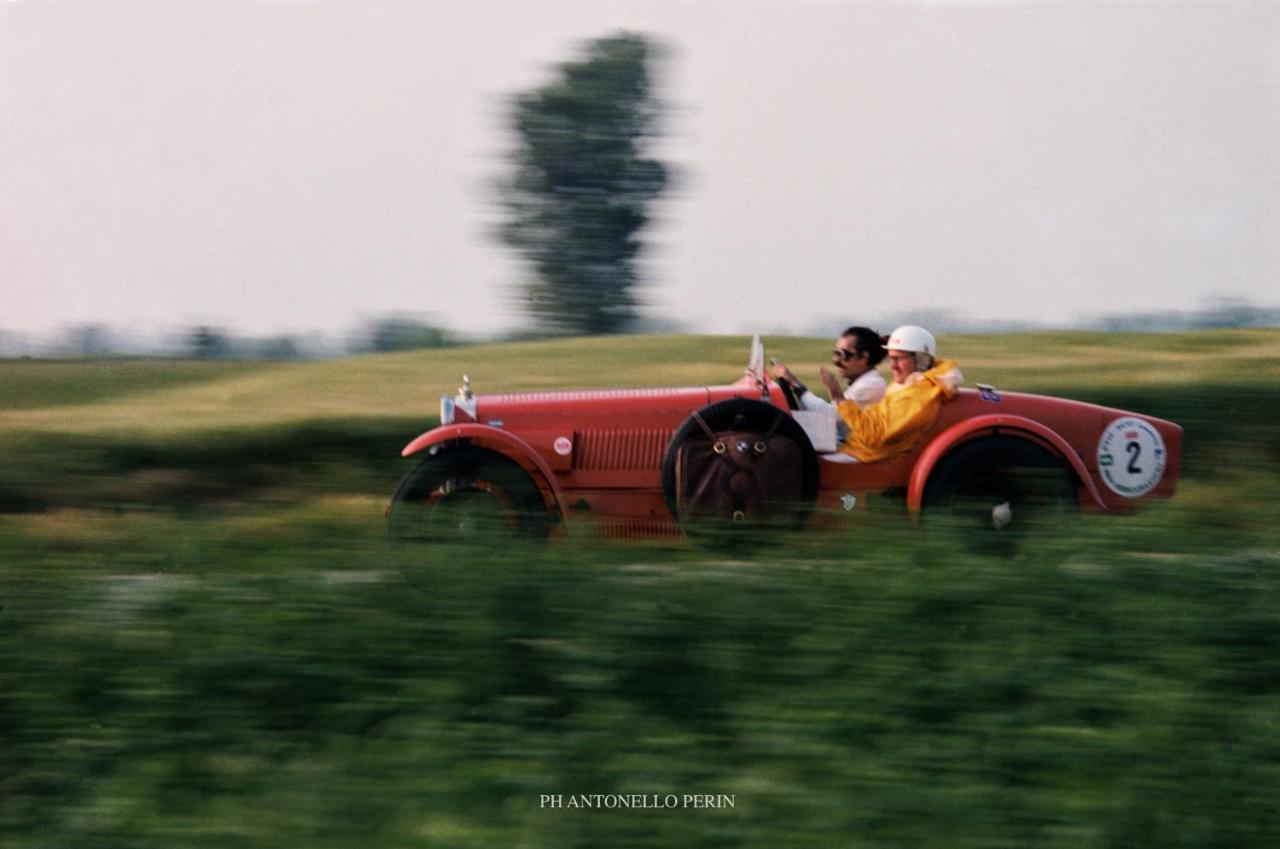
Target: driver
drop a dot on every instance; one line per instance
(856, 354)
(921, 384)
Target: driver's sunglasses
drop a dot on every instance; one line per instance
(844, 354)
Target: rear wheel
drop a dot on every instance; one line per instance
(1000, 495)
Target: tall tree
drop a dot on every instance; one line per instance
(580, 186)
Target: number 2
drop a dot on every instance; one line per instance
(1135, 450)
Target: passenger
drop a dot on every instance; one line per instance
(856, 354)
(921, 383)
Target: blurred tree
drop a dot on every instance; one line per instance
(405, 334)
(89, 340)
(208, 343)
(277, 348)
(579, 186)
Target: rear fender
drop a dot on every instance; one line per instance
(501, 442)
(968, 429)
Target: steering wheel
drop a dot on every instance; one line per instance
(793, 403)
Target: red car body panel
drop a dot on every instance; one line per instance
(597, 454)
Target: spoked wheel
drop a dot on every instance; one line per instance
(737, 472)
(467, 502)
(1001, 496)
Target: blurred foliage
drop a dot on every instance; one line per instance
(1237, 362)
(89, 340)
(184, 471)
(213, 343)
(208, 343)
(207, 639)
(400, 333)
(261, 677)
(580, 186)
(38, 384)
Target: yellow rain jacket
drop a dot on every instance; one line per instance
(893, 424)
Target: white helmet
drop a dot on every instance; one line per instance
(912, 339)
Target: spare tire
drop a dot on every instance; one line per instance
(737, 465)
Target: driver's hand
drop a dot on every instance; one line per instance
(782, 373)
(829, 381)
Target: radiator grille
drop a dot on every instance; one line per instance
(620, 449)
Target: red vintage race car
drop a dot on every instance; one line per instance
(636, 463)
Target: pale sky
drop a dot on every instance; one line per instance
(281, 166)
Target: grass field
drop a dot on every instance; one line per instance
(158, 398)
(207, 640)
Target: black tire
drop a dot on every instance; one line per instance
(1000, 494)
(469, 496)
(751, 415)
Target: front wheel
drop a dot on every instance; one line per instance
(469, 496)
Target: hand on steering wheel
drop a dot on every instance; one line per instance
(788, 383)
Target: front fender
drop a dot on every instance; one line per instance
(962, 431)
(497, 440)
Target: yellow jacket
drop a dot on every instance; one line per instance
(894, 424)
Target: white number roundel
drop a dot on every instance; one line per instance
(1131, 457)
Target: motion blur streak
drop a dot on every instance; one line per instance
(208, 641)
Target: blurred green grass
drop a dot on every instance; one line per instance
(34, 384)
(208, 641)
(267, 680)
(141, 397)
